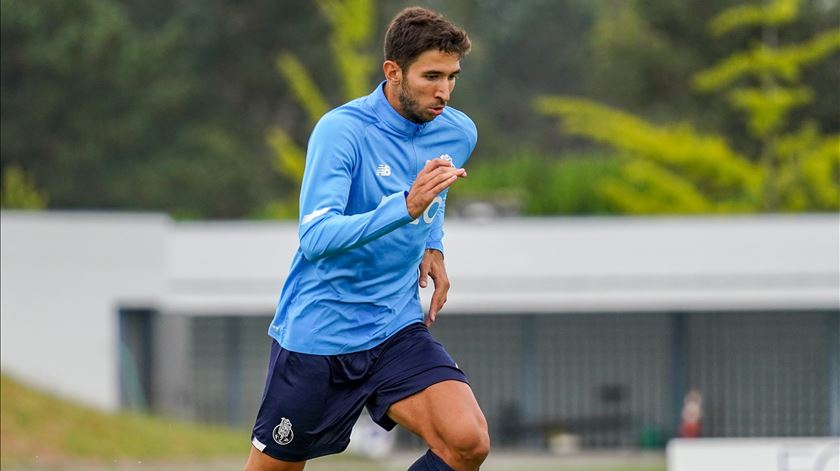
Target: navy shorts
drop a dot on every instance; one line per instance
(311, 402)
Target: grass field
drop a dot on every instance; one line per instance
(508, 462)
(38, 428)
(39, 432)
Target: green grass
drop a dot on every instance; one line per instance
(38, 428)
(39, 432)
(334, 463)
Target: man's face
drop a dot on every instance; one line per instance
(427, 84)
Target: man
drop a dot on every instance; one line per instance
(349, 331)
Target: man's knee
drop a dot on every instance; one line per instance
(469, 446)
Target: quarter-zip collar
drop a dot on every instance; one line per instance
(383, 109)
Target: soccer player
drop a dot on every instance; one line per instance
(349, 331)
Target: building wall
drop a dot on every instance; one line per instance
(613, 379)
(764, 375)
(605, 377)
(534, 335)
(64, 278)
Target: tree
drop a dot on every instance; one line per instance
(676, 169)
(351, 30)
(151, 105)
(764, 84)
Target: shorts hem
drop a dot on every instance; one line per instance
(311, 454)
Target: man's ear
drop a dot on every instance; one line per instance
(393, 72)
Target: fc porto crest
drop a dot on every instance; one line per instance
(282, 433)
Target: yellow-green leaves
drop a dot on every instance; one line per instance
(767, 109)
(808, 169)
(775, 13)
(679, 146)
(303, 87)
(763, 61)
(290, 157)
(351, 31)
(648, 188)
(668, 169)
(19, 190)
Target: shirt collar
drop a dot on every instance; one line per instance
(383, 109)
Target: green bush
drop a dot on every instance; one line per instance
(538, 185)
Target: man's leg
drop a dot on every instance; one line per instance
(447, 417)
(259, 461)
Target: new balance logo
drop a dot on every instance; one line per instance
(383, 170)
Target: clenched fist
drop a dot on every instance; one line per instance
(436, 176)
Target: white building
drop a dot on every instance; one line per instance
(595, 325)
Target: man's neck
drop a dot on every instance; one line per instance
(392, 94)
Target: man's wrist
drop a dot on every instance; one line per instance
(436, 249)
(408, 207)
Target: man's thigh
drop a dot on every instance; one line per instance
(443, 414)
(408, 364)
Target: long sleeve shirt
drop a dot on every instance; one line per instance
(354, 278)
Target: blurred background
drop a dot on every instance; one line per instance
(646, 247)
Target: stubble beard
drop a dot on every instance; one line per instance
(411, 107)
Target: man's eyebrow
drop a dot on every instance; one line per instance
(440, 72)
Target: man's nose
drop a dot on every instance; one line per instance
(442, 93)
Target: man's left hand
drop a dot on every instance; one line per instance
(433, 266)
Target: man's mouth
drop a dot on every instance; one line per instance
(437, 110)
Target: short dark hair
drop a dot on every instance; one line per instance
(416, 30)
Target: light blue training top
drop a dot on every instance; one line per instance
(354, 279)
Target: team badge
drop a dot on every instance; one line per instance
(282, 433)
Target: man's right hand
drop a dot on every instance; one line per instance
(435, 177)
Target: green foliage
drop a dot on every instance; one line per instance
(764, 61)
(290, 158)
(623, 45)
(788, 159)
(303, 87)
(807, 170)
(648, 188)
(776, 13)
(19, 191)
(768, 105)
(676, 169)
(766, 112)
(161, 105)
(36, 425)
(105, 112)
(351, 29)
(540, 185)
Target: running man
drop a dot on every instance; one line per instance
(350, 331)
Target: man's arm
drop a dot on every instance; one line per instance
(324, 229)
